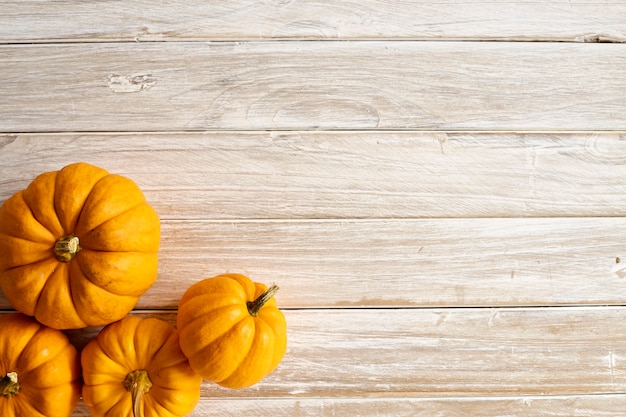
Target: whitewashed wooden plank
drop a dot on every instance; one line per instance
(140, 20)
(312, 85)
(438, 262)
(402, 263)
(286, 175)
(401, 352)
(445, 352)
(521, 406)
(378, 356)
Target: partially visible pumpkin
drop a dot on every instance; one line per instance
(231, 330)
(77, 247)
(39, 369)
(135, 367)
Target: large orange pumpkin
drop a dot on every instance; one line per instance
(77, 247)
(39, 369)
(231, 330)
(135, 367)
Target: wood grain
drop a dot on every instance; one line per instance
(401, 263)
(404, 263)
(314, 175)
(312, 85)
(439, 197)
(140, 20)
(444, 352)
(519, 406)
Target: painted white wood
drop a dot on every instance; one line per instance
(288, 175)
(401, 263)
(611, 405)
(390, 353)
(247, 202)
(312, 85)
(404, 263)
(435, 213)
(141, 20)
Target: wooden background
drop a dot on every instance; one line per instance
(437, 187)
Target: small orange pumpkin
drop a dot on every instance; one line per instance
(77, 247)
(39, 369)
(231, 330)
(135, 367)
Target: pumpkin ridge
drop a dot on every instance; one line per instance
(222, 284)
(277, 346)
(156, 398)
(216, 311)
(141, 229)
(28, 264)
(30, 213)
(82, 206)
(89, 278)
(26, 197)
(107, 354)
(226, 301)
(102, 348)
(79, 219)
(28, 324)
(19, 358)
(243, 364)
(86, 231)
(46, 287)
(239, 366)
(73, 296)
(32, 409)
(233, 331)
(29, 241)
(40, 294)
(137, 341)
(68, 175)
(58, 353)
(116, 282)
(119, 251)
(36, 369)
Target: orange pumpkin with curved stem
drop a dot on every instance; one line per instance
(39, 369)
(78, 247)
(231, 330)
(135, 368)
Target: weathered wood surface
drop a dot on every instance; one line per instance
(402, 263)
(312, 85)
(444, 215)
(448, 352)
(313, 175)
(141, 20)
(518, 406)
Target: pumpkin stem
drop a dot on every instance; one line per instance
(66, 248)
(138, 383)
(256, 305)
(8, 385)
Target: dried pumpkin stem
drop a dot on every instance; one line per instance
(9, 385)
(137, 383)
(256, 305)
(66, 248)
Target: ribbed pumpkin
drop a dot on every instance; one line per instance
(77, 247)
(135, 367)
(39, 369)
(231, 330)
